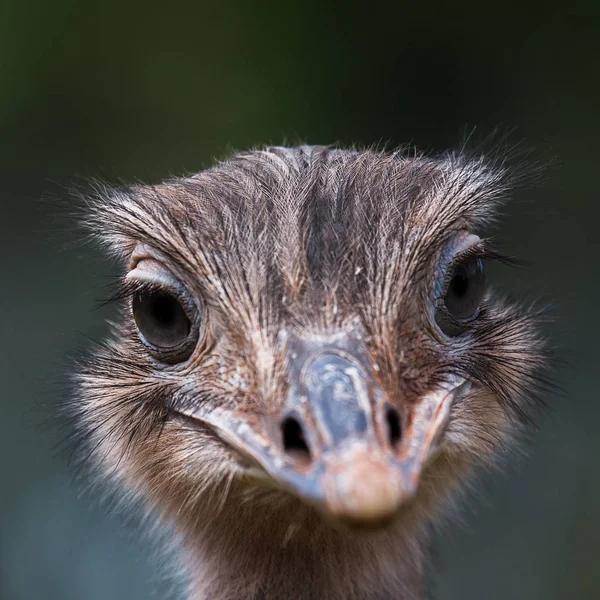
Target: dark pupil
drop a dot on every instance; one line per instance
(164, 309)
(160, 319)
(460, 283)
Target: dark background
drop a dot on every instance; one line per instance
(142, 92)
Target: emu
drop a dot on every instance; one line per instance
(307, 365)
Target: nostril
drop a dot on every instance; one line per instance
(294, 441)
(394, 426)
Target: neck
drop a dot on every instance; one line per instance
(290, 552)
(248, 544)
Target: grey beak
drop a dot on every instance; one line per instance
(339, 444)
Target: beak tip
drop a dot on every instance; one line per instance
(367, 489)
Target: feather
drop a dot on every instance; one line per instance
(286, 242)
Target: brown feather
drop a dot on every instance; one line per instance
(308, 240)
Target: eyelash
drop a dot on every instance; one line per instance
(482, 250)
(127, 288)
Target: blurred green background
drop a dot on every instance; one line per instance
(146, 91)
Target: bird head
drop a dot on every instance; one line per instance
(310, 324)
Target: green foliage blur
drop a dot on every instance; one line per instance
(144, 91)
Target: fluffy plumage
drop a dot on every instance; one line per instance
(287, 243)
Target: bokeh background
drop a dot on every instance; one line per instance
(142, 92)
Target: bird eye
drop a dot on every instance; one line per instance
(163, 324)
(463, 296)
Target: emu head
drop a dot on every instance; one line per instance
(305, 326)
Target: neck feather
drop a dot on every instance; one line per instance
(251, 544)
(290, 552)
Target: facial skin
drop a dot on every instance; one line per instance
(310, 329)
